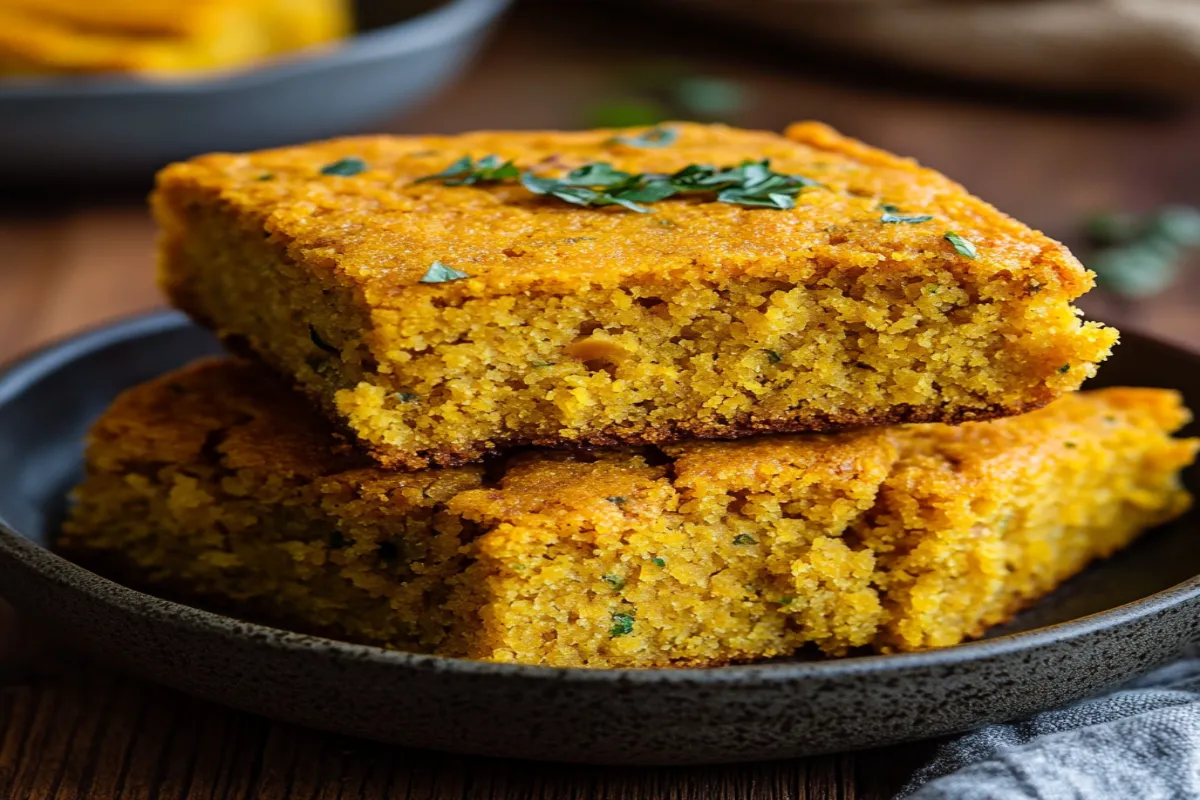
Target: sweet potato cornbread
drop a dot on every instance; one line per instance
(159, 36)
(214, 482)
(438, 322)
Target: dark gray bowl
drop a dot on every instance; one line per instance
(1118, 619)
(119, 127)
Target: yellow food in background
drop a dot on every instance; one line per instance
(217, 483)
(159, 36)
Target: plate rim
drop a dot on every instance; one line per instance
(20, 373)
(428, 29)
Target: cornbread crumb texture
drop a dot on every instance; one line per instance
(604, 326)
(215, 483)
(159, 36)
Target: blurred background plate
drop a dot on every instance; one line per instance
(107, 127)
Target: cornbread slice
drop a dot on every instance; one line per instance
(603, 326)
(159, 36)
(215, 483)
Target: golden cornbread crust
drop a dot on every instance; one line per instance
(215, 482)
(601, 326)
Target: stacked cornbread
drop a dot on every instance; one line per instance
(681, 396)
(159, 37)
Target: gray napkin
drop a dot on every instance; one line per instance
(1142, 742)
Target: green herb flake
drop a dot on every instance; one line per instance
(786, 601)
(752, 184)
(658, 561)
(911, 219)
(266, 176)
(1064, 369)
(440, 273)
(617, 501)
(622, 624)
(773, 356)
(744, 538)
(615, 581)
(345, 167)
(406, 397)
(963, 247)
(1070, 445)
(888, 208)
(654, 138)
(540, 364)
(321, 343)
(466, 172)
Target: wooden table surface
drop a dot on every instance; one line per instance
(72, 729)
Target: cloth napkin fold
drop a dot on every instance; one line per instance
(1138, 46)
(1142, 741)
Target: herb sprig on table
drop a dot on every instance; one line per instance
(751, 183)
(1137, 258)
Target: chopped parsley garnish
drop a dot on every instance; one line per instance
(615, 581)
(744, 538)
(617, 501)
(345, 167)
(616, 188)
(773, 357)
(440, 273)
(658, 561)
(1064, 369)
(912, 219)
(653, 138)
(889, 208)
(961, 245)
(538, 364)
(1070, 445)
(752, 184)
(622, 624)
(406, 397)
(466, 172)
(266, 176)
(319, 342)
(785, 601)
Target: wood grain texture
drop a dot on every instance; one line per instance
(72, 729)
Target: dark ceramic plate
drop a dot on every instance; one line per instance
(121, 127)
(1118, 619)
